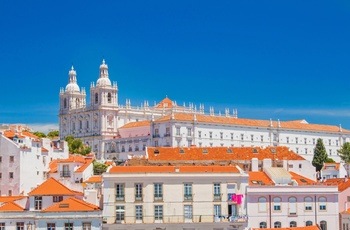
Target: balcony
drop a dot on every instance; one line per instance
(65, 174)
(187, 197)
(158, 197)
(138, 197)
(217, 197)
(156, 136)
(119, 197)
(167, 135)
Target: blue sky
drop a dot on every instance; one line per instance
(268, 59)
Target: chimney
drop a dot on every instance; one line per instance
(255, 165)
(267, 163)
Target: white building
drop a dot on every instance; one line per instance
(277, 198)
(100, 125)
(24, 161)
(173, 197)
(333, 170)
(49, 206)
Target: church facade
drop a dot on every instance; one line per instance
(117, 131)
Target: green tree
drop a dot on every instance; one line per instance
(99, 168)
(39, 134)
(344, 152)
(77, 146)
(53, 134)
(320, 155)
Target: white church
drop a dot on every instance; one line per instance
(120, 131)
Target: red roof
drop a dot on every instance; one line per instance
(343, 183)
(94, 179)
(220, 153)
(52, 187)
(136, 124)
(10, 198)
(11, 207)
(84, 166)
(72, 205)
(72, 158)
(174, 169)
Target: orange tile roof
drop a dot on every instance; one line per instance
(337, 165)
(11, 207)
(174, 169)
(84, 166)
(165, 103)
(109, 163)
(53, 166)
(136, 124)
(314, 227)
(28, 134)
(72, 158)
(72, 205)
(260, 177)
(343, 183)
(220, 153)
(295, 125)
(301, 180)
(44, 150)
(10, 198)
(52, 187)
(94, 179)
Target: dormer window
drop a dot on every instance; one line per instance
(56, 199)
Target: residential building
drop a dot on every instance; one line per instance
(277, 198)
(333, 170)
(24, 160)
(105, 125)
(173, 197)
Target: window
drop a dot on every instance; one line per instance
(308, 223)
(262, 225)
(261, 138)
(308, 203)
(305, 140)
(57, 198)
(156, 143)
(242, 136)
(188, 212)
(262, 204)
(337, 142)
(313, 141)
(276, 203)
(2, 226)
(330, 151)
(86, 226)
(292, 205)
(51, 226)
(10, 192)
(119, 192)
(19, 225)
(329, 142)
(277, 224)
(158, 212)
(120, 212)
(292, 224)
(167, 131)
(200, 134)
(156, 132)
(12, 159)
(177, 131)
(123, 148)
(217, 192)
(323, 225)
(65, 103)
(221, 135)
(138, 191)
(217, 210)
(305, 150)
(189, 143)
(287, 139)
(297, 150)
(189, 131)
(87, 124)
(296, 140)
(109, 97)
(11, 175)
(38, 202)
(96, 98)
(158, 192)
(210, 135)
(322, 202)
(138, 212)
(187, 191)
(0, 159)
(0, 175)
(231, 136)
(252, 137)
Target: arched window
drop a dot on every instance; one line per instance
(323, 225)
(322, 201)
(96, 98)
(277, 224)
(262, 204)
(77, 103)
(292, 205)
(308, 203)
(87, 124)
(277, 204)
(292, 224)
(262, 225)
(109, 98)
(65, 103)
(309, 223)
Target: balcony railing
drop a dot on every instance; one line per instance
(138, 197)
(158, 197)
(217, 197)
(119, 197)
(167, 135)
(65, 174)
(156, 135)
(188, 197)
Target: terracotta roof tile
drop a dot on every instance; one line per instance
(11, 207)
(174, 169)
(52, 187)
(44, 150)
(259, 178)
(220, 153)
(136, 124)
(72, 158)
(84, 166)
(10, 198)
(165, 103)
(53, 166)
(94, 179)
(327, 166)
(72, 205)
(295, 125)
(301, 180)
(343, 183)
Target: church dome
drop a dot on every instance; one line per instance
(72, 87)
(103, 82)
